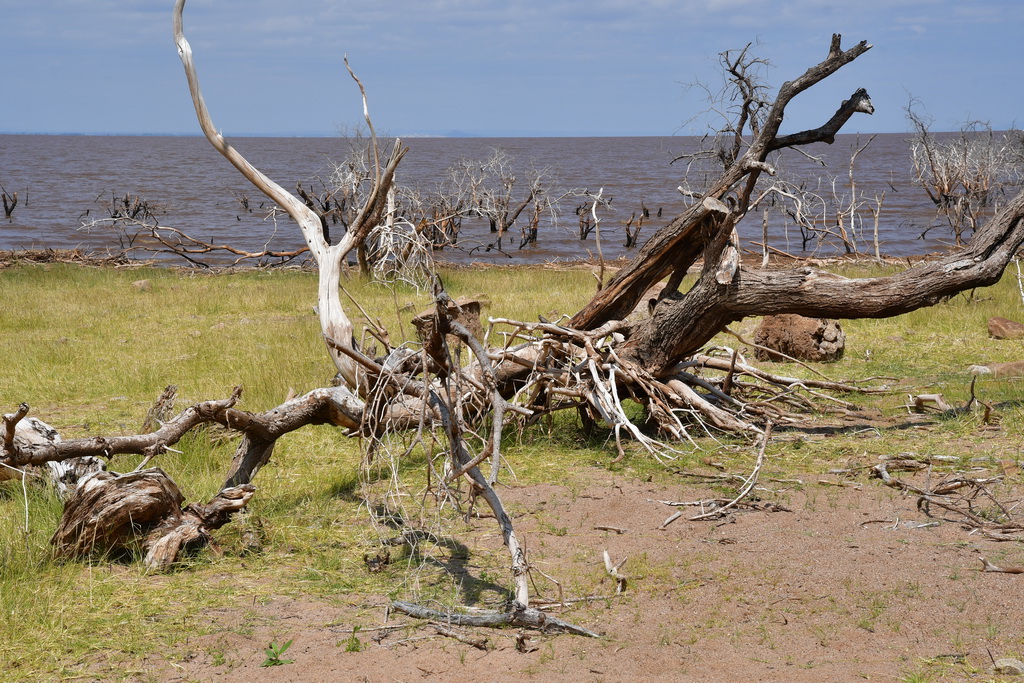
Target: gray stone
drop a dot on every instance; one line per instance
(1008, 666)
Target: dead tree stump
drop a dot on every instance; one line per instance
(805, 339)
(108, 511)
(111, 512)
(31, 432)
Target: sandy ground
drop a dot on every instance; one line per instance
(845, 585)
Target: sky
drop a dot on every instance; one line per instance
(493, 67)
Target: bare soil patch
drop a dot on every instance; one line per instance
(851, 583)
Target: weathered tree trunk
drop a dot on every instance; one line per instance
(682, 324)
(111, 512)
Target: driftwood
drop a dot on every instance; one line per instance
(682, 323)
(613, 571)
(958, 496)
(713, 509)
(987, 566)
(109, 512)
(23, 432)
(478, 643)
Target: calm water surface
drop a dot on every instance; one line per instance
(63, 180)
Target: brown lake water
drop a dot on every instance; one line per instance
(63, 180)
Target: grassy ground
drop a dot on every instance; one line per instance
(89, 351)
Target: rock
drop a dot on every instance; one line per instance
(1008, 666)
(1001, 328)
(1012, 369)
(142, 285)
(806, 339)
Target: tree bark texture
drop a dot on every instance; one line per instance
(681, 324)
(109, 512)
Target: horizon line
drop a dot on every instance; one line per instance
(453, 135)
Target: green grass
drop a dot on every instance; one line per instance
(90, 352)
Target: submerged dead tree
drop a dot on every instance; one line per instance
(10, 201)
(625, 344)
(965, 176)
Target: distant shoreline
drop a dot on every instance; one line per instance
(11, 257)
(454, 135)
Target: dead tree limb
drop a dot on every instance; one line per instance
(748, 485)
(107, 511)
(682, 323)
(989, 567)
(675, 247)
(334, 322)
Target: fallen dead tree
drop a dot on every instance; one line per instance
(594, 363)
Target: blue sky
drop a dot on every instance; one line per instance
(490, 67)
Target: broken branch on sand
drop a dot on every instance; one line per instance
(989, 567)
(717, 510)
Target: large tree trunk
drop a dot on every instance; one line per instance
(725, 291)
(682, 323)
(675, 247)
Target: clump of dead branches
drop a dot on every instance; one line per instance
(953, 496)
(966, 175)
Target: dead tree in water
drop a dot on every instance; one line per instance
(586, 222)
(633, 232)
(492, 190)
(831, 215)
(10, 201)
(966, 177)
